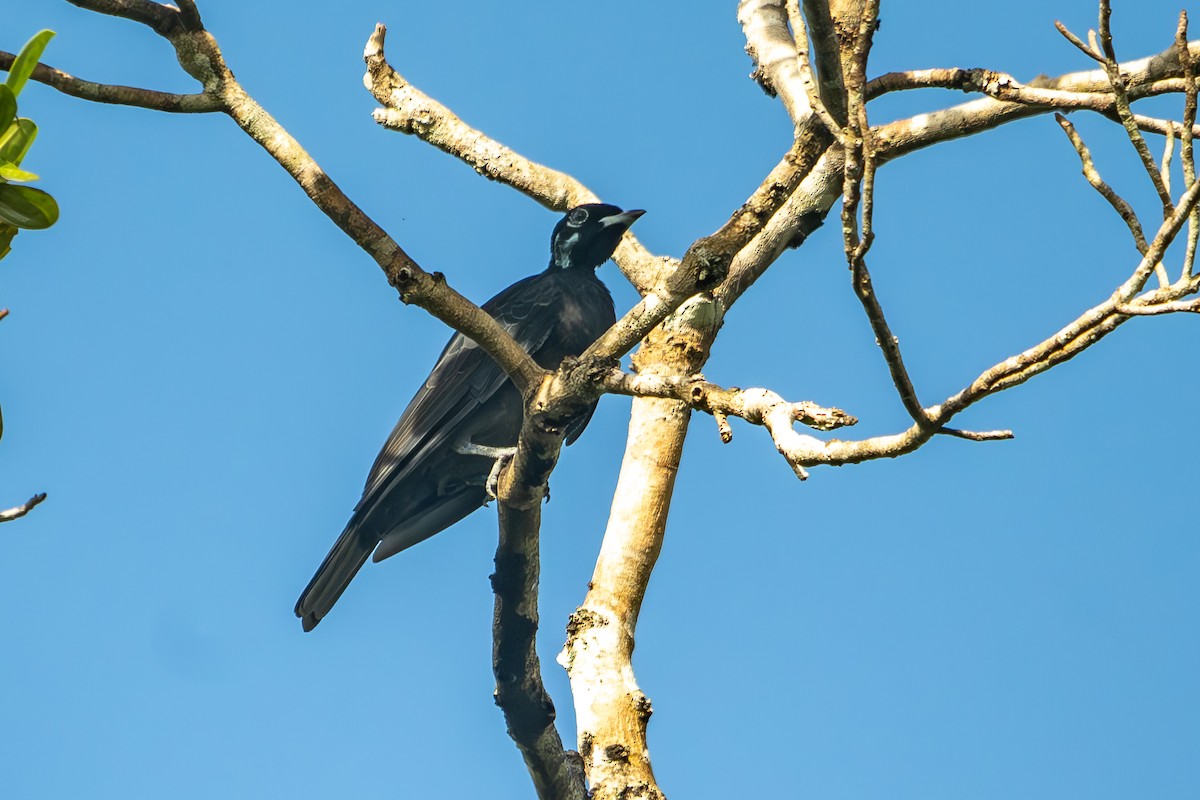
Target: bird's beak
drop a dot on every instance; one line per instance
(624, 219)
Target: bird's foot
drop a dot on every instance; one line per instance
(500, 455)
(492, 485)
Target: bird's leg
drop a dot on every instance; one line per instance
(501, 456)
(493, 478)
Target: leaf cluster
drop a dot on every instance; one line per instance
(20, 206)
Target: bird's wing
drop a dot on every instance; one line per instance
(463, 379)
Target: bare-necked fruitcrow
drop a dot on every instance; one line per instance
(433, 469)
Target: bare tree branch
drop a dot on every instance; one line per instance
(756, 406)
(19, 511)
(1123, 209)
(520, 692)
(1187, 145)
(774, 52)
(1083, 46)
(118, 95)
(611, 710)
(1143, 77)
(1150, 309)
(1121, 100)
(164, 19)
(752, 405)
(1004, 87)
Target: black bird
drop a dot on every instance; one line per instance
(433, 469)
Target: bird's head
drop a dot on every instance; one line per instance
(587, 236)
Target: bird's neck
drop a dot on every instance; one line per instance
(573, 270)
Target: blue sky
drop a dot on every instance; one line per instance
(200, 368)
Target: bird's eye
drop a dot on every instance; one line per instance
(577, 217)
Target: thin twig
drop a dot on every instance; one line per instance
(978, 436)
(1164, 169)
(19, 511)
(68, 84)
(723, 427)
(1121, 98)
(1162, 240)
(1075, 40)
(1187, 137)
(1160, 269)
(1119, 204)
(858, 188)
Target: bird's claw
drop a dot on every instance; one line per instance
(492, 485)
(502, 456)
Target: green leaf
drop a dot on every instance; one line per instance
(11, 172)
(8, 107)
(7, 232)
(15, 142)
(26, 60)
(27, 207)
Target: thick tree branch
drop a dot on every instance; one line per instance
(528, 709)
(1004, 87)
(1144, 77)
(777, 66)
(803, 212)
(611, 709)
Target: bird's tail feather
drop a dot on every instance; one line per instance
(344, 561)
